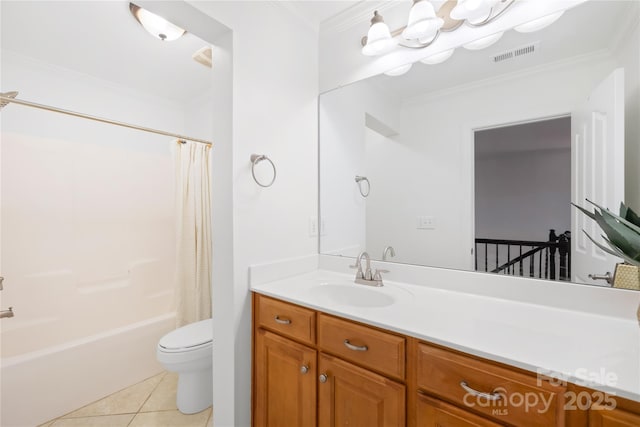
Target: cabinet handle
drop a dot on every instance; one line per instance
(323, 378)
(282, 321)
(489, 396)
(304, 369)
(355, 347)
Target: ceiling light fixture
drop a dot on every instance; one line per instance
(156, 25)
(425, 25)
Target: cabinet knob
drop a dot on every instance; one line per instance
(323, 378)
(304, 369)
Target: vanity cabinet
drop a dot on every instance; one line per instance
(285, 386)
(352, 396)
(357, 371)
(603, 417)
(314, 369)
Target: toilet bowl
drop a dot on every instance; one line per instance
(188, 351)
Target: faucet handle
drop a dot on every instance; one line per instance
(378, 274)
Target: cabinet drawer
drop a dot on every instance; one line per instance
(435, 413)
(286, 319)
(500, 393)
(381, 351)
(600, 416)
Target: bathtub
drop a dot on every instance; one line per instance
(56, 380)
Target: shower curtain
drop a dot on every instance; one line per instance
(193, 203)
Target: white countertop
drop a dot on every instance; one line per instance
(571, 344)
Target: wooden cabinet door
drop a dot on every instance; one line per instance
(605, 417)
(435, 413)
(285, 382)
(352, 396)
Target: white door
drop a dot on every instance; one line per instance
(597, 173)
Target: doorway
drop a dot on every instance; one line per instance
(522, 176)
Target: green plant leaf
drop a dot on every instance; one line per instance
(622, 220)
(619, 251)
(584, 211)
(628, 214)
(624, 238)
(611, 252)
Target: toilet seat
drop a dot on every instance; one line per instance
(194, 336)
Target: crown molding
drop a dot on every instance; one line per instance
(599, 55)
(286, 5)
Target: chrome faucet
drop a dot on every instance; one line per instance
(366, 277)
(390, 251)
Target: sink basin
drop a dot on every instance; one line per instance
(353, 295)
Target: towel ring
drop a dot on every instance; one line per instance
(257, 158)
(359, 180)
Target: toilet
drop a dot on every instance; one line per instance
(188, 351)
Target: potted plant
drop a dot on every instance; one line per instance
(622, 240)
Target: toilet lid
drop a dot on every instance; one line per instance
(192, 335)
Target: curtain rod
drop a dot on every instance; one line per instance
(6, 99)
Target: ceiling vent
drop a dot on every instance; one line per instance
(528, 49)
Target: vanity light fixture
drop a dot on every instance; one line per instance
(398, 71)
(156, 25)
(425, 25)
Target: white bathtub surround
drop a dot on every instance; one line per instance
(193, 211)
(50, 382)
(572, 331)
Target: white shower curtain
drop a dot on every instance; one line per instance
(193, 204)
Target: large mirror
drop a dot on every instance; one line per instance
(469, 164)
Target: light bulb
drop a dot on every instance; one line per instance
(423, 22)
(438, 57)
(538, 24)
(398, 71)
(483, 42)
(473, 10)
(379, 39)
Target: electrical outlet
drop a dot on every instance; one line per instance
(313, 226)
(426, 223)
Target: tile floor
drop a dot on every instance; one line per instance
(151, 403)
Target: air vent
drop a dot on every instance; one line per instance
(528, 49)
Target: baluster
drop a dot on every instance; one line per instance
(520, 262)
(540, 264)
(531, 266)
(552, 255)
(475, 251)
(485, 257)
(497, 250)
(563, 250)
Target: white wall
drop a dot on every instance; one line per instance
(522, 195)
(275, 75)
